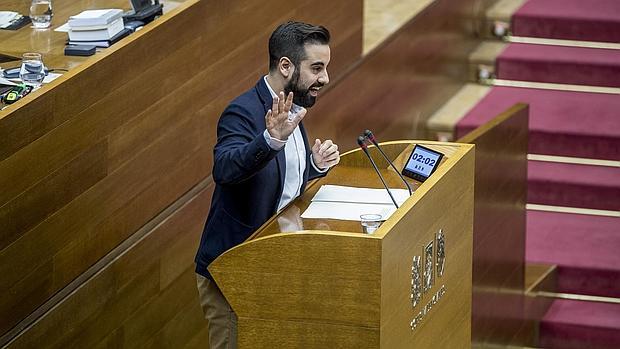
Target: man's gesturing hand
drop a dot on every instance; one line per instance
(278, 124)
(325, 154)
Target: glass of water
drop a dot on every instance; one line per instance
(370, 222)
(41, 13)
(32, 70)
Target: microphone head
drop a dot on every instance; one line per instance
(370, 136)
(361, 142)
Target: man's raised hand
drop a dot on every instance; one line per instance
(278, 123)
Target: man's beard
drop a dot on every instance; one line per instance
(301, 96)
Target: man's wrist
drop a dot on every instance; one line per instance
(274, 143)
(316, 167)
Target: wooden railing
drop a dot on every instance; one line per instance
(498, 305)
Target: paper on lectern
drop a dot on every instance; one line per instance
(348, 203)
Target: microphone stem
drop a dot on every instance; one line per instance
(381, 177)
(394, 167)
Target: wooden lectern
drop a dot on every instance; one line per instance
(322, 283)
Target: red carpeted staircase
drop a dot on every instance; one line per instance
(560, 64)
(561, 122)
(584, 247)
(587, 20)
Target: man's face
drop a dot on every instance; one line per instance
(309, 76)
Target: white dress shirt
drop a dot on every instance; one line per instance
(295, 153)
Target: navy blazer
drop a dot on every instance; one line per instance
(248, 174)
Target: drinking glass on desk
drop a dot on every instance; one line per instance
(41, 13)
(370, 222)
(32, 70)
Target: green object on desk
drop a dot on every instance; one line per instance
(16, 93)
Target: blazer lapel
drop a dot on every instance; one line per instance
(308, 155)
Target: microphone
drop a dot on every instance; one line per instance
(362, 143)
(371, 137)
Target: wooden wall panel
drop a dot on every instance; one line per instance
(44, 198)
(92, 158)
(90, 125)
(127, 302)
(499, 228)
(74, 238)
(400, 84)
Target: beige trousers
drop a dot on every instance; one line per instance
(222, 319)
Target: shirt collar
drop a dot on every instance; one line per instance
(294, 109)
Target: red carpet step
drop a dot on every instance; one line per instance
(564, 123)
(560, 64)
(581, 325)
(583, 20)
(574, 185)
(584, 248)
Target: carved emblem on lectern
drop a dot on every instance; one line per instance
(428, 267)
(423, 280)
(441, 253)
(416, 281)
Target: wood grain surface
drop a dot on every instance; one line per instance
(330, 285)
(147, 294)
(444, 202)
(90, 159)
(499, 228)
(404, 80)
(354, 169)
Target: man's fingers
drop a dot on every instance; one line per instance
(327, 147)
(330, 163)
(327, 152)
(281, 103)
(316, 146)
(333, 161)
(289, 102)
(330, 153)
(332, 156)
(274, 104)
(299, 116)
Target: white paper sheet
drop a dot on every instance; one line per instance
(346, 210)
(51, 77)
(7, 18)
(339, 193)
(63, 28)
(348, 203)
(4, 81)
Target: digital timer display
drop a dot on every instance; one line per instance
(422, 163)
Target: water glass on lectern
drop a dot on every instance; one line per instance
(370, 222)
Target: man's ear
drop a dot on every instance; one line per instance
(286, 67)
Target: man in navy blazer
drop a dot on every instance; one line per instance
(263, 159)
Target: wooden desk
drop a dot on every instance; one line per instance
(51, 43)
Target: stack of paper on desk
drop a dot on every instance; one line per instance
(7, 17)
(348, 203)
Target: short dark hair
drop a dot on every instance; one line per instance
(288, 40)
